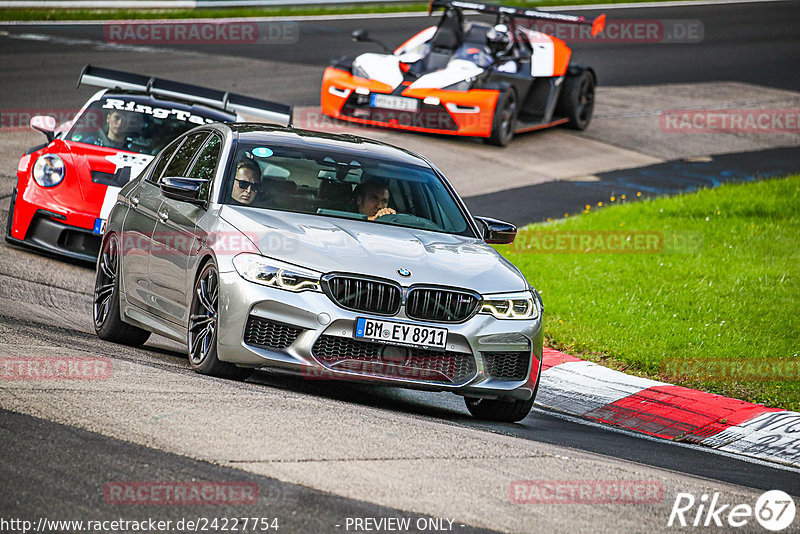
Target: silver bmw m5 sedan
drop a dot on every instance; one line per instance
(327, 256)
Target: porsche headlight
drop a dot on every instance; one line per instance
(523, 305)
(48, 170)
(274, 273)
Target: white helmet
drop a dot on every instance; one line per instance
(499, 39)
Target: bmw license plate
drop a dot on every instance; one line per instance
(401, 333)
(393, 102)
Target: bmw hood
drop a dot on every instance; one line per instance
(327, 244)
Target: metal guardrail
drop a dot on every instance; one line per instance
(177, 4)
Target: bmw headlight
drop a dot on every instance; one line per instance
(274, 273)
(523, 305)
(48, 171)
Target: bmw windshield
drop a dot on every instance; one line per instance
(350, 185)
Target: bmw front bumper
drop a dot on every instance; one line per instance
(309, 335)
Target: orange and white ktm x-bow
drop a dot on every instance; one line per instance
(467, 78)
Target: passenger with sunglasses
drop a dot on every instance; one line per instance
(246, 183)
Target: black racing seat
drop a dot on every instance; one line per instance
(432, 62)
(448, 37)
(336, 196)
(476, 32)
(450, 33)
(277, 193)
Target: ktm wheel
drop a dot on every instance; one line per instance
(576, 102)
(504, 122)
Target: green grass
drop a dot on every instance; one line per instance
(732, 294)
(126, 14)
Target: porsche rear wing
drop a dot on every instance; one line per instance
(273, 112)
(597, 24)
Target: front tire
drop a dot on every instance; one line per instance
(203, 328)
(501, 410)
(576, 102)
(504, 122)
(105, 306)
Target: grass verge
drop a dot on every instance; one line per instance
(705, 294)
(45, 14)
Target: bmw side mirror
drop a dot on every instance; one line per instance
(497, 232)
(45, 124)
(183, 188)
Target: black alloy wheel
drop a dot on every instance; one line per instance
(203, 324)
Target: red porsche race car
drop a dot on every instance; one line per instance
(67, 186)
(467, 78)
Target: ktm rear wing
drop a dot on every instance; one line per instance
(273, 112)
(597, 24)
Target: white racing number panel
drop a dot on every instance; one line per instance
(393, 102)
(400, 333)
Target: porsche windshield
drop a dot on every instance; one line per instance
(135, 124)
(345, 185)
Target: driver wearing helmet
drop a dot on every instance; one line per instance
(501, 43)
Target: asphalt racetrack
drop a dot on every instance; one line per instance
(320, 453)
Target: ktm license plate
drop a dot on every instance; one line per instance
(394, 102)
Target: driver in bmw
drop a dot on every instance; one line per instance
(372, 198)
(246, 182)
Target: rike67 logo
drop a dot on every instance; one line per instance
(774, 510)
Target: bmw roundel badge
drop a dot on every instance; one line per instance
(404, 272)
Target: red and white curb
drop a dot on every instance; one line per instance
(590, 391)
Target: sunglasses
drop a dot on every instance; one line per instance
(244, 184)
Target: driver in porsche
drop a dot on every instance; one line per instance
(119, 126)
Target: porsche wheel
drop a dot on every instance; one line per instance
(576, 102)
(504, 411)
(203, 328)
(105, 306)
(504, 122)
